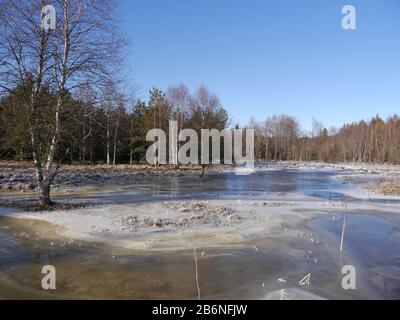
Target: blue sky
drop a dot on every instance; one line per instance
(265, 57)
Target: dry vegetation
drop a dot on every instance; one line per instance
(386, 188)
(19, 176)
(188, 214)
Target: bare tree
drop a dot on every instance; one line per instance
(83, 48)
(206, 112)
(178, 97)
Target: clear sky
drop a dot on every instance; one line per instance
(265, 57)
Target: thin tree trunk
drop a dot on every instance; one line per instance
(83, 151)
(108, 140)
(90, 141)
(116, 138)
(131, 143)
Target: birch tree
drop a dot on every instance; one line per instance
(178, 98)
(83, 48)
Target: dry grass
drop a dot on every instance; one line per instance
(89, 167)
(386, 188)
(19, 176)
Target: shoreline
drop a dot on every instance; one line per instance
(171, 224)
(16, 178)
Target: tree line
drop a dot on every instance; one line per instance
(374, 141)
(114, 130)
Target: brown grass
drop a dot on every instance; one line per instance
(386, 188)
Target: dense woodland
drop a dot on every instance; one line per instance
(114, 130)
(110, 131)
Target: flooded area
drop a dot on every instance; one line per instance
(263, 233)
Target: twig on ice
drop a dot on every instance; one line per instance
(305, 280)
(197, 275)
(344, 225)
